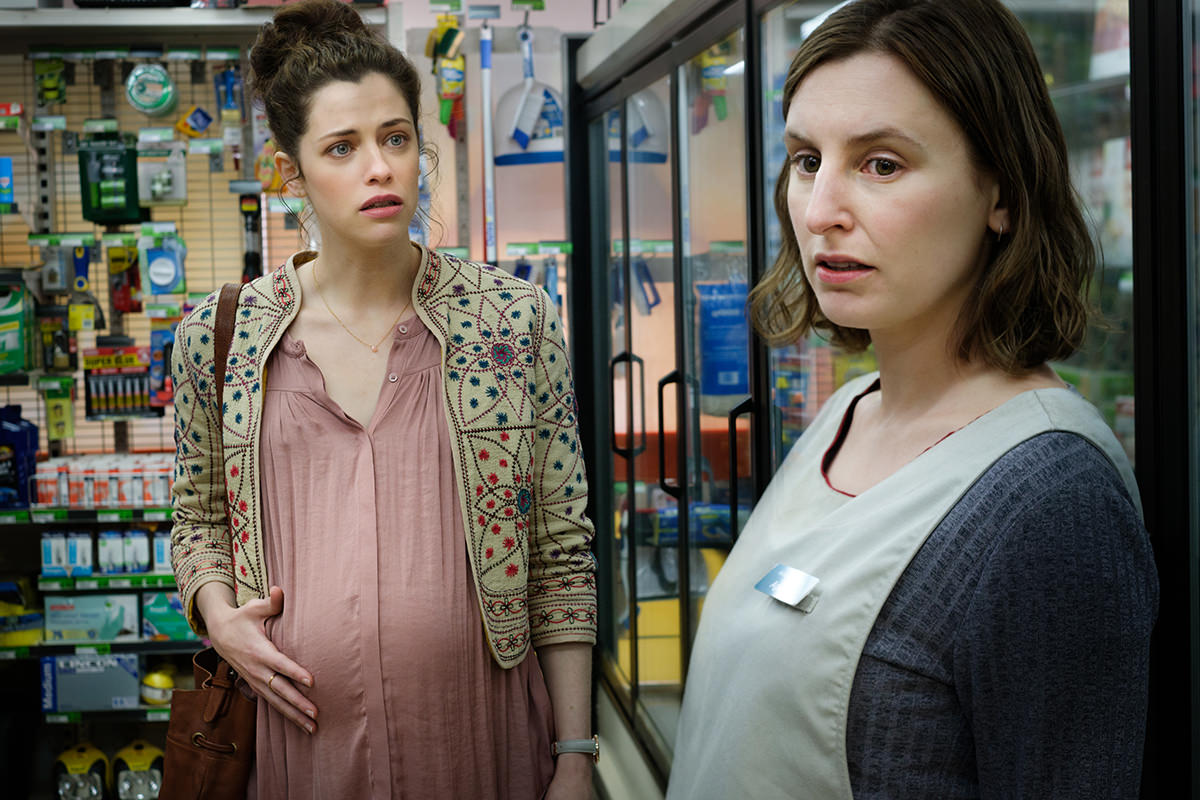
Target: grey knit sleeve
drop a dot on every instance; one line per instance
(1011, 659)
(1051, 660)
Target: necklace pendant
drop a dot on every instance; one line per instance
(374, 348)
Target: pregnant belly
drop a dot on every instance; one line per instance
(327, 633)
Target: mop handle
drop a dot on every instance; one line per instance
(525, 35)
(489, 165)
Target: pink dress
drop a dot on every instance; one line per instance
(364, 535)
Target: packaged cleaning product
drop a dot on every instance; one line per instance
(110, 552)
(79, 554)
(6, 180)
(16, 324)
(18, 457)
(162, 552)
(137, 550)
(20, 623)
(163, 618)
(90, 683)
(724, 341)
(54, 554)
(88, 617)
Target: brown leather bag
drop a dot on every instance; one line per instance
(210, 738)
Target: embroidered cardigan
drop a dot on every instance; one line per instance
(512, 415)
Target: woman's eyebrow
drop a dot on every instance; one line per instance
(885, 132)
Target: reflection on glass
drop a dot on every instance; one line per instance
(652, 331)
(609, 128)
(1084, 53)
(712, 157)
(805, 374)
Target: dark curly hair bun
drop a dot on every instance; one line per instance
(310, 43)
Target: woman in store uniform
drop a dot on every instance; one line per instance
(947, 590)
(399, 454)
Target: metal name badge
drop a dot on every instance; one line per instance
(790, 586)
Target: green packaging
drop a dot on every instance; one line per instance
(16, 318)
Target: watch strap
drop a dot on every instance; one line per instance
(590, 746)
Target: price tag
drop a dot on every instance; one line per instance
(81, 317)
(8, 519)
(156, 516)
(206, 146)
(100, 125)
(221, 54)
(87, 583)
(120, 583)
(42, 124)
(521, 248)
(58, 718)
(8, 655)
(158, 715)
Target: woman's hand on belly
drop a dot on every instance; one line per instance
(240, 636)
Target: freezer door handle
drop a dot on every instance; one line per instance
(670, 488)
(630, 359)
(744, 407)
(619, 358)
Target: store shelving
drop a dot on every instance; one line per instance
(140, 646)
(104, 583)
(42, 516)
(139, 714)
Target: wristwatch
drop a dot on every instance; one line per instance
(590, 746)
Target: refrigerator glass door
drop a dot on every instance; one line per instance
(608, 130)
(712, 167)
(805, 373)
(653, 328)
(1084, 53)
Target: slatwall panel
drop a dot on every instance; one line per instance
(210, 223)
(16, 71)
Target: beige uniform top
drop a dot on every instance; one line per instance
(764, 714)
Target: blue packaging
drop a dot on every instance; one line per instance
(6, 180)
(724, 338)
(18, 457)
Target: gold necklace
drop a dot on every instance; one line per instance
(332, 313)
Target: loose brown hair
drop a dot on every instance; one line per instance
(1029, 303)
(309, 44)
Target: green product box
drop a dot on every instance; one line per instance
(108, 182)
(16, 315)
(92, 618)
(163, 618)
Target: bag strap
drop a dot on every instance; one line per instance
(221, 680)
(223, 337)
